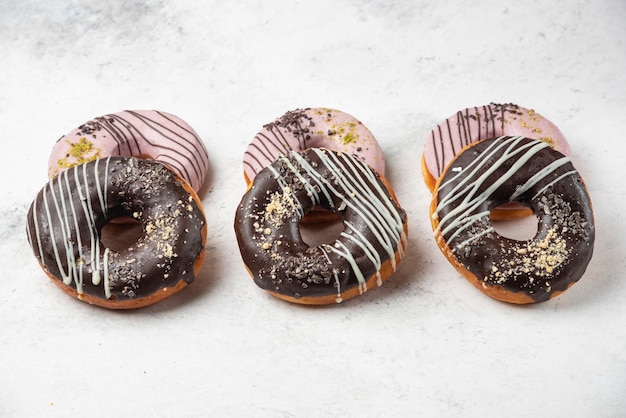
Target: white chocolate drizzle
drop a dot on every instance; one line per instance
(358, 188)
(58, 216)
(470, 192)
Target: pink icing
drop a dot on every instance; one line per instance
(312, 128)
(140, 133)
(476, 123)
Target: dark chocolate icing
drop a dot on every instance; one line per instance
(499, 170)
(266, 224)
(67, 216)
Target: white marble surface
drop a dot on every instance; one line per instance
(425, 343)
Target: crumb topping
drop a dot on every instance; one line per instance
(281, 206)
(296, 122)
(535, 259)
(80, 152)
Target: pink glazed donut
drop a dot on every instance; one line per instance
(301, 129)
(149, 134)
(482, 122)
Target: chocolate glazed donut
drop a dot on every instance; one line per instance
(506, 169)
(365, 254)
(66, 218)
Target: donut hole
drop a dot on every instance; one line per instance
(121, 233)
(320, 227)
(521, 225)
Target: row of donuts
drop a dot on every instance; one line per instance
(486, 163)
(498, 161)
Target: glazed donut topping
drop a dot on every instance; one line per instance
(66, 218)
(149, 134)
(508, 169)
(268, 216)
(483, 122)
(300, 129)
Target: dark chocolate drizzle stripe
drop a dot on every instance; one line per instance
(195, 157)
(291, 121)
(66, 218)
(507, 169)
(181, 153)
(492, 119)
(122, 133)
(277, 144)
(485, 119)
(462, 121)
